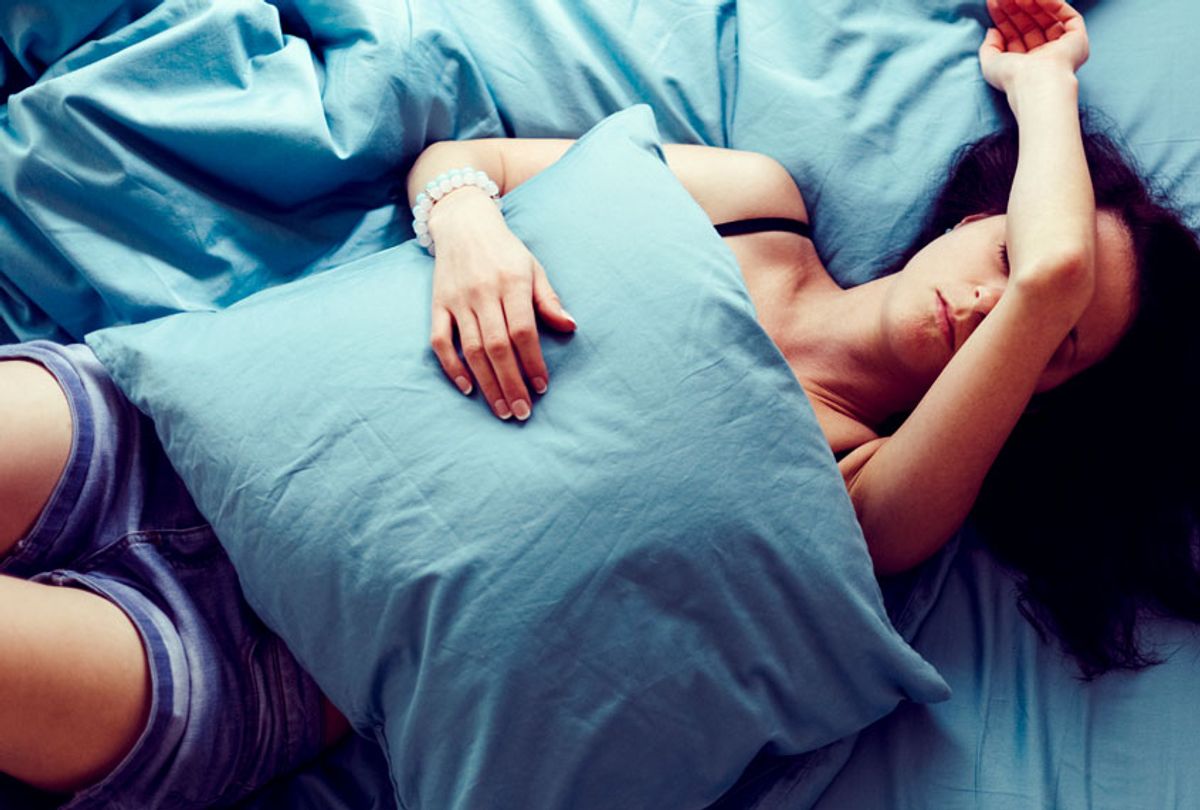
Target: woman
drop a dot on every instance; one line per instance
(1021, 283)
(861, 354)
(893, 345)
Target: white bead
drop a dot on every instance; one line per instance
(438, 188)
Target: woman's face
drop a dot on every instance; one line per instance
(944, 293)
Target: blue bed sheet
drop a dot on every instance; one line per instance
(1022, 731)
(201, 202)
(246, 143)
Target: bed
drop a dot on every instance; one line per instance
(159, 107)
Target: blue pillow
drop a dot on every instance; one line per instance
(866, 103)
(615, 604)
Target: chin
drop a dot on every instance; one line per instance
(920, 360)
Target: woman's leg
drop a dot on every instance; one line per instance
(74, 679)
(74, 685)
(35, 440)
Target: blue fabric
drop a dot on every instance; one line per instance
(230, 708)
(35, 35)
(244, 144)
(618, 603)
(1022, 731)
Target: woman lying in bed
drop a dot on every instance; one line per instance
(1045, 253)
(898, 344)
(956, 337)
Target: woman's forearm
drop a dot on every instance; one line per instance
(1051, 218)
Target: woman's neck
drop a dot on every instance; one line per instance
(833, 340)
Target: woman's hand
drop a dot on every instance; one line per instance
(1041, 36)
(487, 286)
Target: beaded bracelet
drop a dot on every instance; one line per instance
(438, 188)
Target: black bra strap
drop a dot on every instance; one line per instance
(758, 224)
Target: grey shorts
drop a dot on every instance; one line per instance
(230, 709)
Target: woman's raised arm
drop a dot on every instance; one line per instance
(913, 490)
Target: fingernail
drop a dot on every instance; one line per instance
(463, 384)
(539, 385)
(521, 409)
(567, 315)
(502, 409)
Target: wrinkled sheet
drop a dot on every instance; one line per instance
(207, 150)
(198, 151)
(1021, 730)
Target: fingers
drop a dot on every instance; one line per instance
(1027, 24)
(522, 329)
(1059, 10)
(470, 334)
(1009, 33)
(499, 350)
(547, 303)
(993, 40)
(495, 313)
(1015, 25)
(1037, 13)
(441, 337)
(1022, 13)
(475, 340)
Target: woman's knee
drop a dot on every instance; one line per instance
(35, 444)
(75, 685)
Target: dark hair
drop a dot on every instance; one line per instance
(1094, 498)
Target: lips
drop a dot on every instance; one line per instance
(944, 322)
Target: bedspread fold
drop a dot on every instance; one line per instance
(182, 155)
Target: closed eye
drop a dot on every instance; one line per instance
(1004, 256)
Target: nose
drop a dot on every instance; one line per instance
(985, 297)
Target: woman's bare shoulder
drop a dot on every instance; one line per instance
(732, 184)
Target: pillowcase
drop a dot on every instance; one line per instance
(615, 604)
